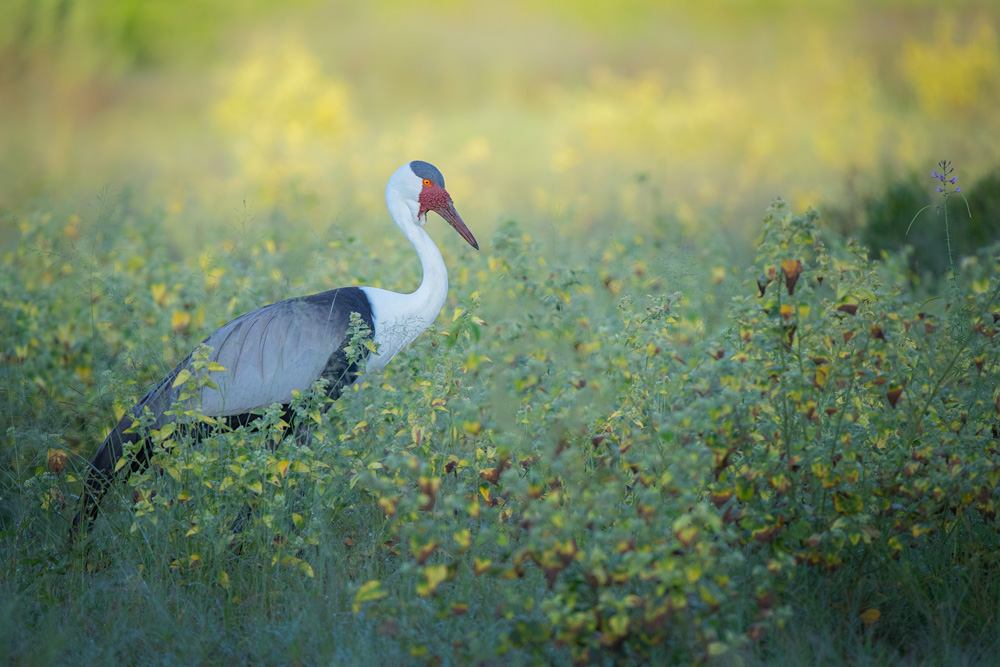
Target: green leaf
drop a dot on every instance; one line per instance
(369, 592)
(433, 575)
(181, 378)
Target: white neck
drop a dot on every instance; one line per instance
(400, 318)
(433, 288)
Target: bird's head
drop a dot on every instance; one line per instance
(421, 185)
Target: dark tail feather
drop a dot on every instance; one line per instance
(101, 473)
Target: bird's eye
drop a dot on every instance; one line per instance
(427, 182)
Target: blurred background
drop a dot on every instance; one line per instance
(570, 115)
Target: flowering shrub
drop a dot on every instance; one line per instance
(872, 418)
(837, 422)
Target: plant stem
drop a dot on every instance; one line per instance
(947, 236)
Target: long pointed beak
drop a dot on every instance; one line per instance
(448, 212)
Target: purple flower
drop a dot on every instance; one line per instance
(958, 189)
(943, 173)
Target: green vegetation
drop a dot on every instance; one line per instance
(605, 472)
(978, 218)
(647, 426)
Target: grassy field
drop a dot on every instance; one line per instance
(664, 416)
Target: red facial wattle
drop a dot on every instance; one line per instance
(437, 199)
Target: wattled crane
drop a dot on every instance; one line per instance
(286, 346)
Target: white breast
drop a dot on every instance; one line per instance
(398, 319)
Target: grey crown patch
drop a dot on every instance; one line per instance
(428, 171)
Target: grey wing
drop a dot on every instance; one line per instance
(270, 352)
(273, 351)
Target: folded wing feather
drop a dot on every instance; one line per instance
(269, 353)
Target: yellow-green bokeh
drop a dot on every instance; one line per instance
(570, 114)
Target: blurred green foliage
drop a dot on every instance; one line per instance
(882, 218)
(566, 112)
(117, 37)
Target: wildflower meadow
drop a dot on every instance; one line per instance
(720, 385)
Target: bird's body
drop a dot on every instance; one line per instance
(287, 346)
